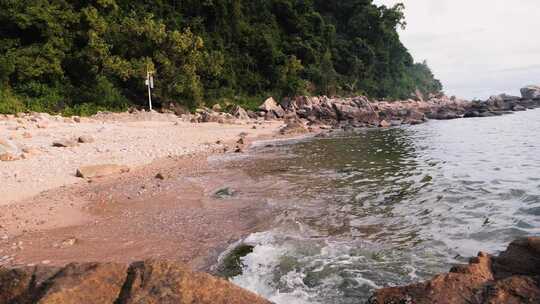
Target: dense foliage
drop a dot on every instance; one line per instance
(81, 56)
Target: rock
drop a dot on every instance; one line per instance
(531, 92)
(65, 143)
(512, 277)
(241, 141)
(139, 282)
(100, 170)
(240, 113)
(224, 193)
(271, 107)
(519, 108)
(77, 119)
(85, 139)
(294, 127)
(238, 149)
(42, 125)
(216, 107)
(26, 135)
(8, 150)
(8, 157)
(69, 242)
(384, 124)
(160, 176)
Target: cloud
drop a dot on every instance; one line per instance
(475, 47)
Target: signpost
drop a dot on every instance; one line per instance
(150, 84)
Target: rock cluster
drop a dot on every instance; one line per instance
(140, 282)
(512, 277)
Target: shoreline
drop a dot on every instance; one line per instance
(165, 209)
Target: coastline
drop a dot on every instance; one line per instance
(166, 209)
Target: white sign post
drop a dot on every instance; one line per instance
(150, 84)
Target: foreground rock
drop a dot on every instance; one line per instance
(512, 277)
(100, 171)
(140, 282)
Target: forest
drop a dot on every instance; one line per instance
(79, 57)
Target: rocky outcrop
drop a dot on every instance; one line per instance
(140, 282)
(512, 277)
(531, 92)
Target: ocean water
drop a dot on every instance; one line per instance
(384, 207)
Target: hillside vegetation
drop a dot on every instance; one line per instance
(78, 57)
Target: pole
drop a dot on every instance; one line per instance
(149, 89)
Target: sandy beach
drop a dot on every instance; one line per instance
(164, 207)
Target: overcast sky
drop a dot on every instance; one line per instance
(477, 48)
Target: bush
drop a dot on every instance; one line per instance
(10, 104)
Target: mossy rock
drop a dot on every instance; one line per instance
(231, 264)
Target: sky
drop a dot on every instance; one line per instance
(477, 48)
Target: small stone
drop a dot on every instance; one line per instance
(76, 119)
(42, 125)
(64, 143)
(100, 170)
(85, 139)
(27, 135)
(8, 157)
(238, 149)
(45, 262)
(160, 176)
(69, 242)
(241, 141)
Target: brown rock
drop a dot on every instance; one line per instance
(141, 282)
(100, 170)
(240, 113)
(85, 139)
(385, 124)
(8, 157)
(294, 127)
(272, 109)
(160, 176)
(65, 143)
(512, 277)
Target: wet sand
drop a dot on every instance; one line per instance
(165, 210)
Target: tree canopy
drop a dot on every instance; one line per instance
(81, 56)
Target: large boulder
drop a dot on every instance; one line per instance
(531, 92)
(512, 277)
(141, 282)
(271, 106)
(240, 113)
